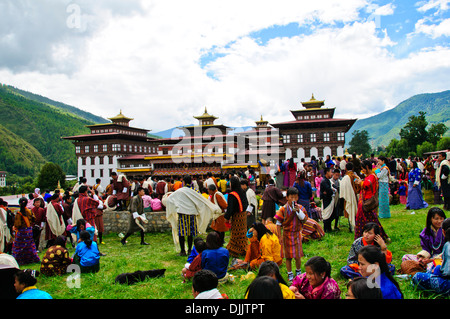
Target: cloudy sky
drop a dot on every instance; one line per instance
(163, 61)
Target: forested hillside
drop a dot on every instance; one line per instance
(383, 127)
(39, 125)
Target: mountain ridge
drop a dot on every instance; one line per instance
(385, 126)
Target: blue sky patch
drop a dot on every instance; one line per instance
(399, 27)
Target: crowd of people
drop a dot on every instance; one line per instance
(267, 222)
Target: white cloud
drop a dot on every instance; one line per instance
(146, 62)
(385, 10)
(433, 30)
(440, 5)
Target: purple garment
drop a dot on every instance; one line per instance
(415, 198)
(432, 244)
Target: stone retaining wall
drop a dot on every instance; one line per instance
(117, 222)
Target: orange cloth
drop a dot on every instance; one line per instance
(177, 185)
(219, 223)
(388, 254)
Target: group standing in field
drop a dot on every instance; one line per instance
(237, 221)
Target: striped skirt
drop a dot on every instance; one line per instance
(237, 245)
(383, 199)
(187, 225)
(292, 245)
(24, 248)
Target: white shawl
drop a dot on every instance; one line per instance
(438, 173)
(106, 203)
(55, 222)
(187, 201)
(4, 230)
(351, 204)
(76, 213)
(327, 211)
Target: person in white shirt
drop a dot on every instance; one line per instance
(204, 285)
(342, 164)
(209, 181)
(98, 187)
(252, 202)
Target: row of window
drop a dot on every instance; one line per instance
(117, 148)
(312, 117)
(101, 173)
(101, 159)
(313, 137)
(100, 131)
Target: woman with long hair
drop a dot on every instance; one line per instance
(431, 238)
(437, 279)
(87, 255)
(368, 202)
(236, 212)
(373, 266)
(24, 247)
(269, 245)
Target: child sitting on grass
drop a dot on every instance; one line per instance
(204, 285)
(190, 269)
(215, 257)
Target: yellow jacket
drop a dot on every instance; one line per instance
(270, 248)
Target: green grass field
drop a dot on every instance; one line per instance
(403, 228)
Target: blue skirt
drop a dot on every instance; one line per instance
(432, 281)
(383, 199)
(415, 198)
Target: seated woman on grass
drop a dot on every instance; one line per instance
(87, 255)
(432, 238)
(371, 236)
(316, 281)
(437, 279)
(269, 245)
(373, 266)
